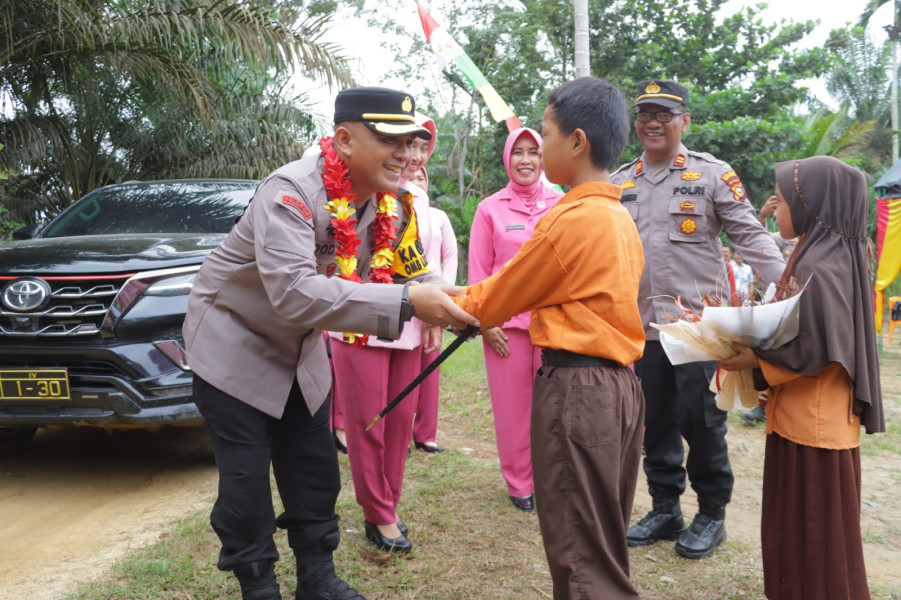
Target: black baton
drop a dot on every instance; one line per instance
(468, 332)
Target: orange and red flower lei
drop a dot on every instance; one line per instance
(341, 197)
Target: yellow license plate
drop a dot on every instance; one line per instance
(34, 384)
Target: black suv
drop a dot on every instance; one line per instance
(92, 304)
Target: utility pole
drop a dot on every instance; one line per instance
(893, 31)
(582, 61)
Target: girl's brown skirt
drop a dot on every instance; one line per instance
(810, 527)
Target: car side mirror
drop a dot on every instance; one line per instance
(27, 232)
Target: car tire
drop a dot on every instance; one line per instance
(15, 439)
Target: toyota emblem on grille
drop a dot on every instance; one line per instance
(24, 294)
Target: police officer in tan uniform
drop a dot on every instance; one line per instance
(681, 201)
(253, 336)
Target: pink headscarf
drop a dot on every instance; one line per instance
(527, 193)
(429, 124)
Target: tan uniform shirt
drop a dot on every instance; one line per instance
(262, 298)
(679, 216)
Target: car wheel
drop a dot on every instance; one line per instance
(15, 439)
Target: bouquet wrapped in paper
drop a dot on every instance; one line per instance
(709, 336)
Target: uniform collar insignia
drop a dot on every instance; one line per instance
(639, 167)
(679, 161)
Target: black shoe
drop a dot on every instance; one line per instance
(400, 545)
(702, 537)
(753, 416)
(316, 580)
(664, 522)
(258, 581)
(523, 503)
(403, 528)
(428, 447)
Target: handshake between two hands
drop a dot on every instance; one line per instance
(433, 305)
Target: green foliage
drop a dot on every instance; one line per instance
(745, 76)
(106, 91)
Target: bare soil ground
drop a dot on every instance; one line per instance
(79, 499)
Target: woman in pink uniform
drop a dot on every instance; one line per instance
(366, 379)
(441, 252)
(502, 223)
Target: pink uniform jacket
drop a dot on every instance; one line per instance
(501, 225)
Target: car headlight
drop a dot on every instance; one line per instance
(179, 285)
(166, 283)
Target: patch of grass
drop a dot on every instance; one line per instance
(469, 542)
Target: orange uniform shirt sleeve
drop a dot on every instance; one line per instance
(530, 280)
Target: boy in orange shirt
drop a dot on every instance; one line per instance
(579, 276)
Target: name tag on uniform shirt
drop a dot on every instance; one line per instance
(514, 227)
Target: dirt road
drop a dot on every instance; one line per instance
(78, 499)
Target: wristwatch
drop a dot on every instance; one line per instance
(407, 311)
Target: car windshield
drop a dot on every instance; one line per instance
(160, 207)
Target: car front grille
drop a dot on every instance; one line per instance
(76, 309)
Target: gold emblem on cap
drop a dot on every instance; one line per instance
(652, 88)
(406, 105)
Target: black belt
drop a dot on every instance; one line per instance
(565, 358)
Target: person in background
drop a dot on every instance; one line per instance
(252, 332)
(823, 387)
(502, 223)
(681, 201)
(579, 275)
(734, 299)
(766, 210)
(368, 376)
(441, 253)
(744, 276)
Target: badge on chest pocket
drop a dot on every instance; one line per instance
(687, 217)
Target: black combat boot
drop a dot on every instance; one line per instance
(316, 578)
(258, 581)
(706, 532)
(664, 522)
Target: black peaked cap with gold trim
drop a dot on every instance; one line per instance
(383, 110)
(662, 92)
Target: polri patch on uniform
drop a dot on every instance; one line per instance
(688, 226)
(633, 197)
(690, 176)
(297, 204)
(688, 190)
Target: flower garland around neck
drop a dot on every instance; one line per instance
(340, 204)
